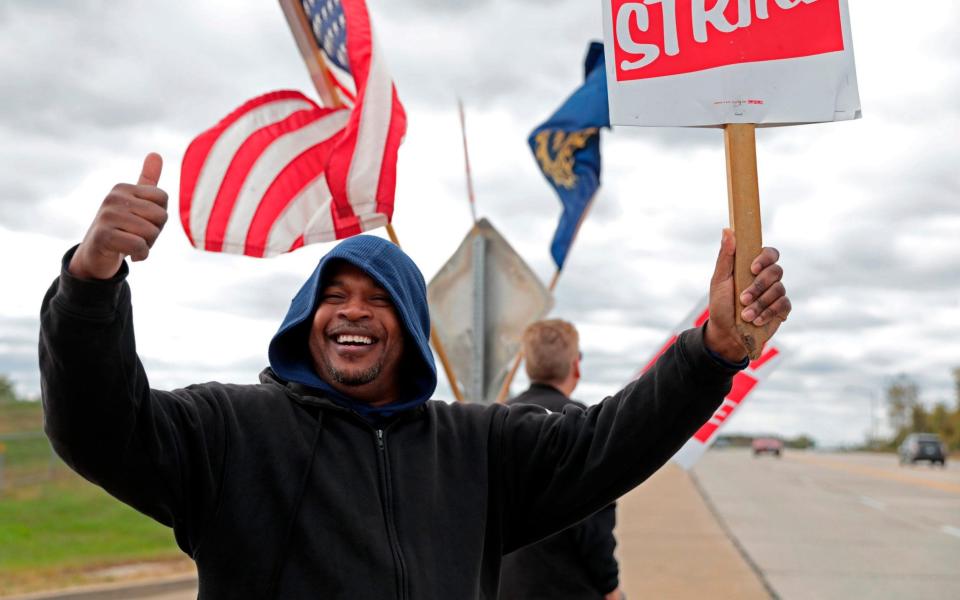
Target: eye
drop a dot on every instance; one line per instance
(332, 297)
(381, 300)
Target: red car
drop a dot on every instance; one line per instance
(767, 445)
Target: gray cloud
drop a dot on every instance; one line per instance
(264, 296)
(107, 81)
(171, 374)
(865, 213)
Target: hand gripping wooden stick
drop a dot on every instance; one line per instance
(743, 193)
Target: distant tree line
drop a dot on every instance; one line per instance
(17, 413)
(9, 396)
(908, 415)
(743, 440)
(7, 392)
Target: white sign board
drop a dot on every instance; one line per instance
(744, 382)
(713, 62)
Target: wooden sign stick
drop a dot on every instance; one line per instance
(743, 194)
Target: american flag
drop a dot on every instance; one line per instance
(281, 172)
(364, 165)
(328, 24)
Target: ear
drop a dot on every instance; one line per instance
(576, 368)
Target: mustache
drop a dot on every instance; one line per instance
(346, 329)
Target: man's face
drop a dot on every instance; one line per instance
(356, 339)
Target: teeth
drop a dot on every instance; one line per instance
(354, 339)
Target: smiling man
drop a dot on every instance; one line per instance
(356, 339)
(336, 476)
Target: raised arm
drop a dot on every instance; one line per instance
(559, 468)
(161, 452)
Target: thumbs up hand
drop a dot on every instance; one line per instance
(128, 223)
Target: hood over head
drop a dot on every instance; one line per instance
(396, 273)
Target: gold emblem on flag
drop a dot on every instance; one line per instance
(555, 151)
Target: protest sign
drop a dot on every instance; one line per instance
(744, 383)
(714, 62)
(737, 64)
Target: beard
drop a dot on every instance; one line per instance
(353, 377)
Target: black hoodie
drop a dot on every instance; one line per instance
(278, 491)
(575, 564)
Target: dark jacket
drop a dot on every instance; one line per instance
(575, 564)
(279, 491)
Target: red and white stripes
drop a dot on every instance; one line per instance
(281, 172)
(247, 184)
(368, 151)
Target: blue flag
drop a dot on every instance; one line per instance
(567, 148)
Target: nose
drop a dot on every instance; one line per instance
(355, 309)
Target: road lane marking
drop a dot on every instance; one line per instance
(873, 503)
(949, 530)
(837, 464)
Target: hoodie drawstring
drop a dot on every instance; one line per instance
(282, 554)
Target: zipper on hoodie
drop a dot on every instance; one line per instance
(387, 500)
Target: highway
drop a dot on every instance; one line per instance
(840, 525)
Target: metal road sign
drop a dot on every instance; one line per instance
(480, 302)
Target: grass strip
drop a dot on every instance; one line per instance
(68, 524)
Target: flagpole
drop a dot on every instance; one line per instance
(505, 388)
(466, 160)
(323, 82)
(307, 44)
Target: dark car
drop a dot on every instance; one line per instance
(767, 445)
(922, 446)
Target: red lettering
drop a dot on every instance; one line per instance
(703, 434)
(656, 38)
(726, 409)
(702, 318)
(764, 358)
(658, 354)
(742, 384)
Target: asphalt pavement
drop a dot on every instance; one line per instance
(824, 526)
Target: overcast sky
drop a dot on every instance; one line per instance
(865, 213)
